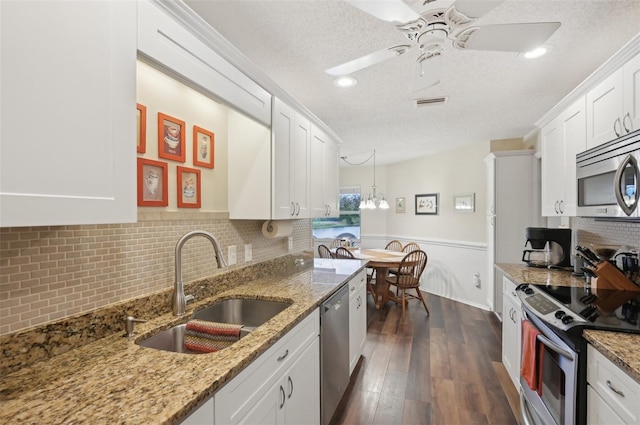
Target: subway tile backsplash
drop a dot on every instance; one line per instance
(590, 231)
(49, 273)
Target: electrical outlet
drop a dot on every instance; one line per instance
(232, 258)
(248, 255)
(290, 243)
(476, 279)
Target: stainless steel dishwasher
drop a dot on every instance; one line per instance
(334, 351)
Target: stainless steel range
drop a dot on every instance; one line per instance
(560, 314)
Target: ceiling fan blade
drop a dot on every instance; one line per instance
(506, 37)
(474, 8)
(387, 10)
(427, 72)
(367, 60)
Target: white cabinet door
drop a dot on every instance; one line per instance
(357, 317)
(613, 106)
(604, 107)
(561, 140)
(302, 388)
(325, 154)
(511, 332)
(68, 131)
(552, 163)
(573, 124)
(631, 84)
(599, 412)
(301, 154)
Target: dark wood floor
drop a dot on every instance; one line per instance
(443, 369)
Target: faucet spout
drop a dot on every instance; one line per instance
(179, 298)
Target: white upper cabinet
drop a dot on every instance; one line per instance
(613, 106)
(561, 140)
(291, 155)
(69, 69)
(177, 50)
(324, 191)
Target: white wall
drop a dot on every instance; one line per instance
(455, 242)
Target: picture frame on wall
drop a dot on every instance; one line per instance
(189, 189)
(141, 144)
(203, 144)
(152, 183)
(464, 202)
(427, 204)
(171, 138)
(401, 204)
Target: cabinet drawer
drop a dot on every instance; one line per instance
(238, 396)
(615, 387)
(509, 290)
(356, 283)
(599, 412)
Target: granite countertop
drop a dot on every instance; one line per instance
(114, 380)
(623, 349)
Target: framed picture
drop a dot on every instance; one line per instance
(141, 144)
(171, 138)
(464, 202)
(400, 204)
(203, 142)
(427, 204)
(188, 187)
(152, 183)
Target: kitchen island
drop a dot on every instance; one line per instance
(623, 349)
(114, 380)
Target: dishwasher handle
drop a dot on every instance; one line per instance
(335, 306)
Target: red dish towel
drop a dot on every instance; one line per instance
(206, 337)
(532, 355)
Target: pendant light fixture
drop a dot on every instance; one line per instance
(374, 200)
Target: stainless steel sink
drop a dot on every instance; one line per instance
(247, 312)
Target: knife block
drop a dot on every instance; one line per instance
(610, 277)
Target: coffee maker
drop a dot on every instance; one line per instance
(549, 247)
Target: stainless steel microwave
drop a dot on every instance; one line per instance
(609, 179)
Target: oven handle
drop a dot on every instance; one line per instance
(525, 411)
(555, 347)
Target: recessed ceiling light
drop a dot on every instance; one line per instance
(536, 53)
(345, 82)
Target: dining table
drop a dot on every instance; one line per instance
(381, 260)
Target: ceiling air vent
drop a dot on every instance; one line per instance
(428, 101)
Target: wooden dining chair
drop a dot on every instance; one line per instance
(343, 253)
(394, 245)
(335, 243)
(324, 251)
(410, 247)
(408, 277)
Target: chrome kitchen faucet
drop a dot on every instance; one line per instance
(179, 298)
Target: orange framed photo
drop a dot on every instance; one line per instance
(203, 144)
(189, 188)
(171, 138)
(152, 183)
(141, 145)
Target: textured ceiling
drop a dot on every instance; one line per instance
(491, 95)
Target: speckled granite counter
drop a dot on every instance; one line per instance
(114, 380)
(623, 349)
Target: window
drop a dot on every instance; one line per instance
(347, 225)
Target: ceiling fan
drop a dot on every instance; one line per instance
(427, 24)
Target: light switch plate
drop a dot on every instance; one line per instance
(248, 254)
(232, 258)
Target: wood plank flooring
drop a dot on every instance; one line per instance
(444, 369)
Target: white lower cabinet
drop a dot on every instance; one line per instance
(282, 386)
(202, 415)
(613, 397)
(357, 317)
(511, 330)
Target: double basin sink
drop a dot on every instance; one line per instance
(250, 313)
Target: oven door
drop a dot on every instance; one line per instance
(556, 405)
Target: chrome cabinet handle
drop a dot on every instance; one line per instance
(560, 206)
(290, 387)
(614, 389)
(282, 357)
(624, 122)
(292, 210)
(614, 127)
(555, 207)
(283, 397)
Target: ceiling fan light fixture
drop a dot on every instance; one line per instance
(345, 81)
(536, 53)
